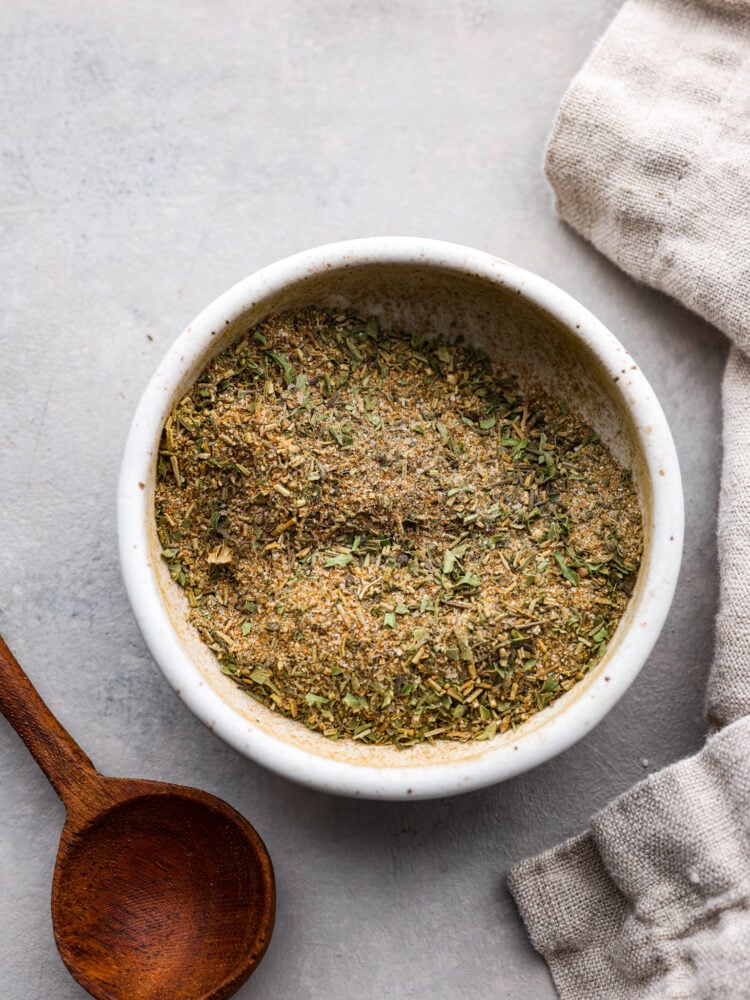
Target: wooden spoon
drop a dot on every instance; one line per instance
(160, 892)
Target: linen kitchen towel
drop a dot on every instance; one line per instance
(650, 160)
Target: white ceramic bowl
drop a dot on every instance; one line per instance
(533, 329)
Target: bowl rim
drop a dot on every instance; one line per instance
(423, 780)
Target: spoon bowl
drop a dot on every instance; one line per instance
(160, 892)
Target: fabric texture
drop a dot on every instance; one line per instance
(650, 161)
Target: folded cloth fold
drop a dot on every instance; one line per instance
(650, 160)
(654, 901)
(649, 154)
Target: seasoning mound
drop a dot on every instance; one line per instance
(383, 539)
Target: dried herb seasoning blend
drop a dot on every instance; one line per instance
(383, 539)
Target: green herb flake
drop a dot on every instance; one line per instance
(284, 364)
(567, 572)
(339, 559)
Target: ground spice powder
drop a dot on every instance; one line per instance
(384, 539)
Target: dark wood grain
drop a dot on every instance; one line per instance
(160, 892)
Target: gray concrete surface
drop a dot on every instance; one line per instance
(153, 153)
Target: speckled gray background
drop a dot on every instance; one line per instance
(153, 153)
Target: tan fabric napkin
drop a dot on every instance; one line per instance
(650, 160)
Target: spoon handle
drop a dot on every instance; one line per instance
(67, 767)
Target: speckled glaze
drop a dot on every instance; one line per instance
(527, 325)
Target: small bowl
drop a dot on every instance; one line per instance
(532, 329)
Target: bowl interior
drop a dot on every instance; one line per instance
(491, 310)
